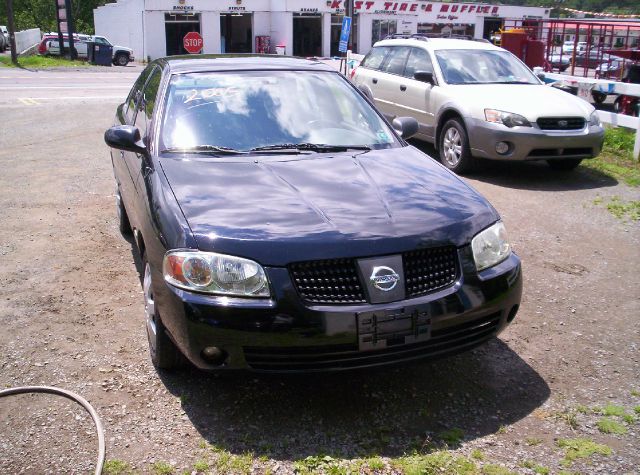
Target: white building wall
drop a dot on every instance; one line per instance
(326, 34)
(365, 33)
(282, 30)
(122, 24)
(210, 30)
(155, 39)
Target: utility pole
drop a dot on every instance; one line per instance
(12, 32)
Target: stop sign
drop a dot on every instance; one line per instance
(193, 42)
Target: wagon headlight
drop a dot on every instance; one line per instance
(594, 119)
(215, 273)
(507, 118)
(490, 247)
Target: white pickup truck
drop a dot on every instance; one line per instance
(121, 55)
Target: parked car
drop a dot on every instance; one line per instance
(569, 46)
(4, 38)
(560, 61)
(611, 69)
(284, 225)
(121, 55)
(475, 100)
(591, 60)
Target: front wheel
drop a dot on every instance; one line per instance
(455, 153)
(598, 97)
(568, 164)
(164, 353)
(122, 59)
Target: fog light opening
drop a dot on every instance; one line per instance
(502, 148)
(214, 355)
(512, 313)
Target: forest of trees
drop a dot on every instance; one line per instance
(41, 13)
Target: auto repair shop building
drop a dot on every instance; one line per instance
(155, 28)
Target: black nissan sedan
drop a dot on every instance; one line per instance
(285, 226)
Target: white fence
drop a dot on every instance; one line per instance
(26, 39)
(602, 85)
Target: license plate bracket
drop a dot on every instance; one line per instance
(383, 328)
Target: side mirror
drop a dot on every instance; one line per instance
(541, 76)
(407, 127)
(424, 76)
(125, 137)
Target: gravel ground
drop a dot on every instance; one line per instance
(72, 310)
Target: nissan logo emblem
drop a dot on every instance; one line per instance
(563, 123)
(384, 278)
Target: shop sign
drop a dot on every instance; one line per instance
(377, 6)
(308, 10)
(183, 8)
(237, 9)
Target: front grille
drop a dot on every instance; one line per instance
(560, 152)
(331, 281)
(445, 341)
(561, 123)
(426, 270)
(336, 281)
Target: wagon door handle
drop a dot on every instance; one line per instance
(403, 87)
(374, 81)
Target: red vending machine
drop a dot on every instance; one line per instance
(263, 44)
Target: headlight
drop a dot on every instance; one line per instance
(594, 119)
(507, 118)
(490, 247)
(215, 273)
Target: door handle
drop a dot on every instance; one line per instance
(374, 81)
(403, 87)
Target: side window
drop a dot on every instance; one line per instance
(374, 58)
(419, 60)
(147, 102)
(130, 111)
(396, 60)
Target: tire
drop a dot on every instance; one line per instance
(123, 220)
(121, 59)
(568, 164)
(617, 105)
(598, 97)
(453, 146)
(164, 353)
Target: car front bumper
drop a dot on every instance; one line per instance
(283, 334)
(532, 143)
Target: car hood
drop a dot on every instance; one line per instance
(529, 100)
(123, 48)
(292, 208)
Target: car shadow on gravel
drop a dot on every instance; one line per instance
(531, 175)
(386, 412)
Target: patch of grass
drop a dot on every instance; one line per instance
(452, 436)
(635, 392)
(581, 408)
(533, 441)
(320, 464)
(226, 462)
(613, 410)
(537, 468)
(374, 463)
(37, 62)
(636, 409)
(569, 417)
(609, 426)
(502, 429)
(116, 467)
(477, 454)
(440, 463)
(616, 159)
(581, 448)
(629, 418)
(161, 468)
(201, 466)
(493, 469)
(623, 210)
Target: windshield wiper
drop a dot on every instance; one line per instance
(217, 149)
(315, 147)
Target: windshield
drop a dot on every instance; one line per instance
(475, 66)
(244, 110)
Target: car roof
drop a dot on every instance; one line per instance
(438, 43)
(241, 62)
